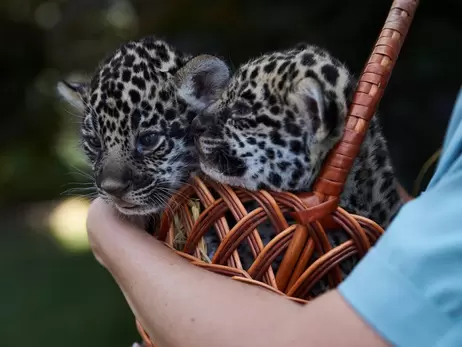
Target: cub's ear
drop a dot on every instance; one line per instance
(201, 80)
(74, 93)
(321, 110)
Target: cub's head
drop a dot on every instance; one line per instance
(275, 121)
(136, 125)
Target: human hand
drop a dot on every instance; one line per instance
(106, 228)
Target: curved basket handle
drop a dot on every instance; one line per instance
(369, 92)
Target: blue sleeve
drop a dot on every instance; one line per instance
(409, 286)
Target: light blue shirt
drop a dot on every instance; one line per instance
(409, 286)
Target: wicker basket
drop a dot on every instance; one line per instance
(314, 211)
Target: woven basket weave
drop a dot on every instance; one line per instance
(313, 211)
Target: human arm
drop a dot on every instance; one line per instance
(179, 304)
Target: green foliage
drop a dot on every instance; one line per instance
(51, 298)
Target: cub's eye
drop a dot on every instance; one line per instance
(148, 141)
(94, 142)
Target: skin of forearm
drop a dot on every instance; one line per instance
(181, 305)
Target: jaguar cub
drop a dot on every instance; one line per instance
(275, 121)
(136, 127)
(272, 126)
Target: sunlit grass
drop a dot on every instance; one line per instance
(68, 224)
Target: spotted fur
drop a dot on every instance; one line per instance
(135, 125)
(269, 126)
(274, 123)
(276, 120)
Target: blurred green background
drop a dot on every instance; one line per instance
(52, 291)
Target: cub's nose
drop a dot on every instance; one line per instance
(115, 179)
(115, 187)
